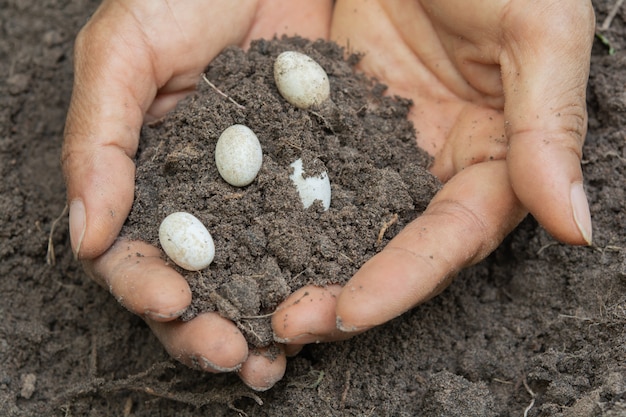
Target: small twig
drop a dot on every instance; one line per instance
(344, 395)
(384, 228)
(293, 145)
(156, 151)
(50, 256)
(347, 257)
(318, 381)
(546, 246)
(569, 316)
(234, 196)
(614, 154)
(218, 91)
(609, 18)
(262, 316)
(502, 381)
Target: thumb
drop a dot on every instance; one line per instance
(545, 67)
(112, 89)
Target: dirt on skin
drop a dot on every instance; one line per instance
(537, 329)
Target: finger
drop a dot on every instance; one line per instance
(465, 221)
(308, 316)
(545, 67)
(208, 342)
(476, 136)
(141, 281)
(264, 367)
(104, 119)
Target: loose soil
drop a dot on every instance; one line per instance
(537, 328)
(268, 245)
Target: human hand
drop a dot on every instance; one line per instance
(499, 101)
(134, 61)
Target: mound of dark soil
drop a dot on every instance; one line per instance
(267, 244)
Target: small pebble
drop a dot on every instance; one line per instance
(186, 241)
(238, 155)
(28, 385)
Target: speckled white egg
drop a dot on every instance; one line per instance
(311, 188)
(238, 155)
(186, 241)
(300, 80)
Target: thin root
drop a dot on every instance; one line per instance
(218, 91)
(386, 226)
(50, 255)
(532, 395)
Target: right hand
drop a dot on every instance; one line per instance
(134, 60)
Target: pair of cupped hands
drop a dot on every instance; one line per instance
(499, 101)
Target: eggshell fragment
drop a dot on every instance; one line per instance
(186, 241)
(300, 80)
(238, 155)
(311, 188)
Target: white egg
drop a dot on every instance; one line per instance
(300, 80)
(238, 155)
(311, 188)
(186, 241)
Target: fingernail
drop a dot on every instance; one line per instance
(580, 206)
(348, 328)
(304, 338)
(268, 382)
(207, 365)
(156, 316)
(77, 225)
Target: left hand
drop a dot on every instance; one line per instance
(499, 101)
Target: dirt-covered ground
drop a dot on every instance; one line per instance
(539, 328)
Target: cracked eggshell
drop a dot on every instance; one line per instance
(300, 80)
(311, 188)
(186, 241)
(238, 155)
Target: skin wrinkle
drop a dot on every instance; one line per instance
(436, 72)
(420, 259)
(180, 28)
(473, 223)
(483, 56)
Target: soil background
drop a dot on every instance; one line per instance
(539, 328)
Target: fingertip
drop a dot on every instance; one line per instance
(264, 368)
(378, 292)
(100, 194)
(307, 316)
(208, 342)
(168, 301)
(547, 178)
(141, 281)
